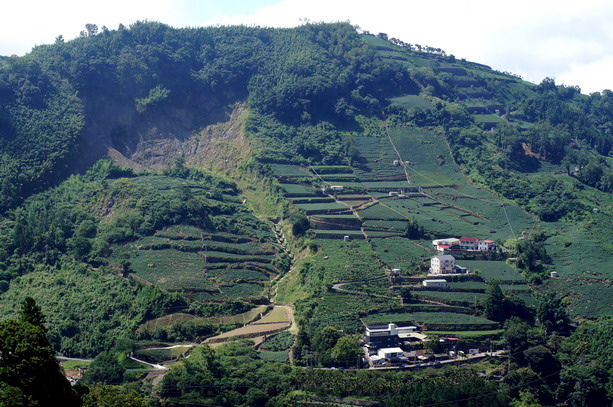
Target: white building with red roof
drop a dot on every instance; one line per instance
(442, 245)
(465, 243)
(469, 243)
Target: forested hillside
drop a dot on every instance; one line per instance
(160, 186)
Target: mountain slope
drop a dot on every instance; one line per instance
(478, 152)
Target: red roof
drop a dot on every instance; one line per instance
(444, 246)
(468, 239)
(489, 241)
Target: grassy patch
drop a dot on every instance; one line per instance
(451, 297)
(381, 212)
(468, 334)
(399, 226)
(278, 314)
(399, 252)
(288, 170)
(344, 311)
(338, 232)
(203, 264)
(331, 169)
(375, 233)
(376, 157)
(75, 364)
(230, 274)
(274, 356)
(279, 342)
(429, 157)
(430, 318)
(346, 261)
(239, 290)
(467, 285)
(154, 355)
(412, 101)
(298, 190)
(487, 118)
(493, 270)
(330, 206)
(242, 318)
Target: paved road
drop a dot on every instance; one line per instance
(153, 365)
(64, 359)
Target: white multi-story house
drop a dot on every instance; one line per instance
(486, 245)
(442, 264)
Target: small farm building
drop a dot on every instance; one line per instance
(390, 353)
(435, 283)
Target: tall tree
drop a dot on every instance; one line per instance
(105, 369)
(29, 368)
(112, 396)
(551, 314)
(31, 312)
(494, 303)
(346, 350)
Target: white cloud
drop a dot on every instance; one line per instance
(26, 23)
(589, 75)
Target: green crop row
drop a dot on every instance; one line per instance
(279, 342)
(447, 318)
(274, 356)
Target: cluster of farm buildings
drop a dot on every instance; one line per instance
(390, 344)
(393, 345)
(463, 244)
(444, 263)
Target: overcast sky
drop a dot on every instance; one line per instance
(571, 41)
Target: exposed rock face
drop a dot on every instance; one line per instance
(206, 136)
(221, 146)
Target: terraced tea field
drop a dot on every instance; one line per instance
(202, 264)
(322, 208)
(382, 211)
(400, 252)
(296, 190)
(280, 356)
(376, 160)
(430, 161)
(497, 271)
(398, 226)
(451, 297)
(434, 320)
(345, 311)
(347, 261)
(436, 196)
(431, 166)
(338, 234)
